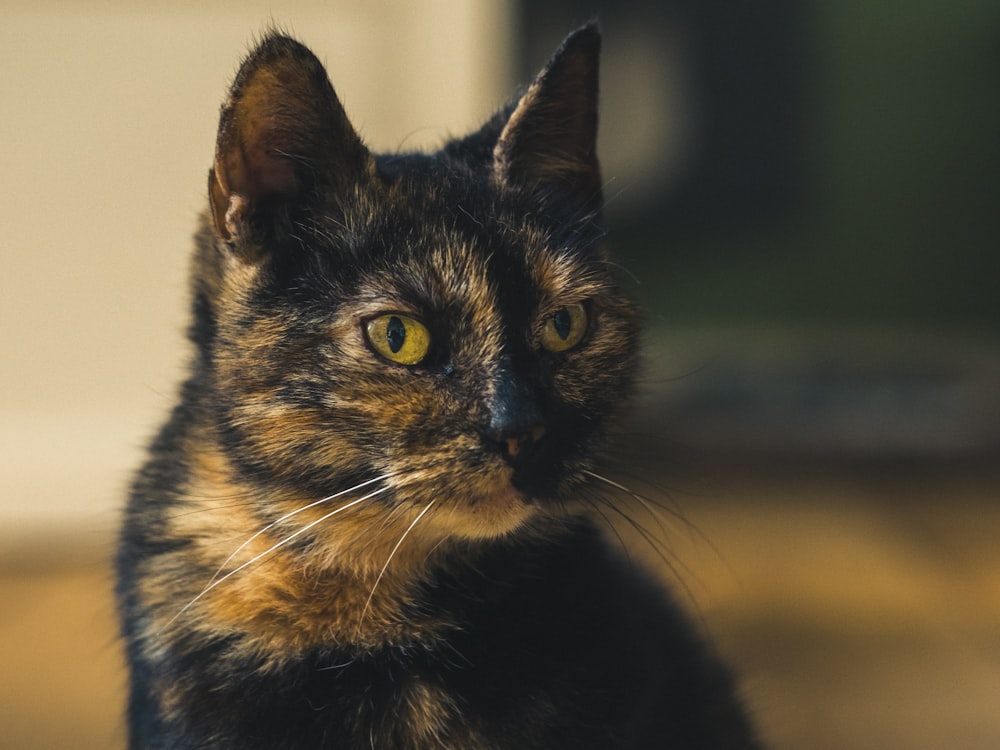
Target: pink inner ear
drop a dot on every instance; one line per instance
(218, 197)
(250, 168)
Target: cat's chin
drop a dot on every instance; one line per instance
(489, 516)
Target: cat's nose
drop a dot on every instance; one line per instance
(517, 447)
(515, 421)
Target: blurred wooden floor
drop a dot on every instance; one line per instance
(862, 609)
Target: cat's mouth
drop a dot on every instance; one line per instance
(484, 504)
(491, 515)
(481, 486)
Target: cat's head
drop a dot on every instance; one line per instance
(448, 321)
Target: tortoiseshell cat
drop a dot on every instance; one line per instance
(362, 526)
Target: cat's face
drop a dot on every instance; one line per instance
(445, 322)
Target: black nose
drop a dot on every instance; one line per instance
(516, 423)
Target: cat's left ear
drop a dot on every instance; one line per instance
(284, 142)
(551, 136)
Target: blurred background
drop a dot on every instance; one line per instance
(805, 197)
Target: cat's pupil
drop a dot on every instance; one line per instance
(395, 334)
(562, 323)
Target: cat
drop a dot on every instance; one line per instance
(369, 521)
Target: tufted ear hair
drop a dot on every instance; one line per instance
(550, 137)
(284, 142)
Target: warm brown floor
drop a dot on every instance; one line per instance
(862, 609)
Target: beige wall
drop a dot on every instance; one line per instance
(107, 120)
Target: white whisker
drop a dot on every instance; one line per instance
(274, 547)
(651, 506)
(611, 526)
(295, 512)
(663, 550)
(634, 495)
(389, 559)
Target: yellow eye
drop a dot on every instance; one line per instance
(565, 328)
(399, 338)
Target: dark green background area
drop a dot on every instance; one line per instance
(885, 209)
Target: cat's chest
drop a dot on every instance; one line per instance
(467, 693)
(398, 710)
(441, 702)
(395, 699)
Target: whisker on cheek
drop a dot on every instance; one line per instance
(292, 514)
(595, 505)
(284, 541)
(679, 570)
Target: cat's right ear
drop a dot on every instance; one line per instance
(284, 144)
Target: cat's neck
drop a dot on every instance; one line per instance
(312, 572)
